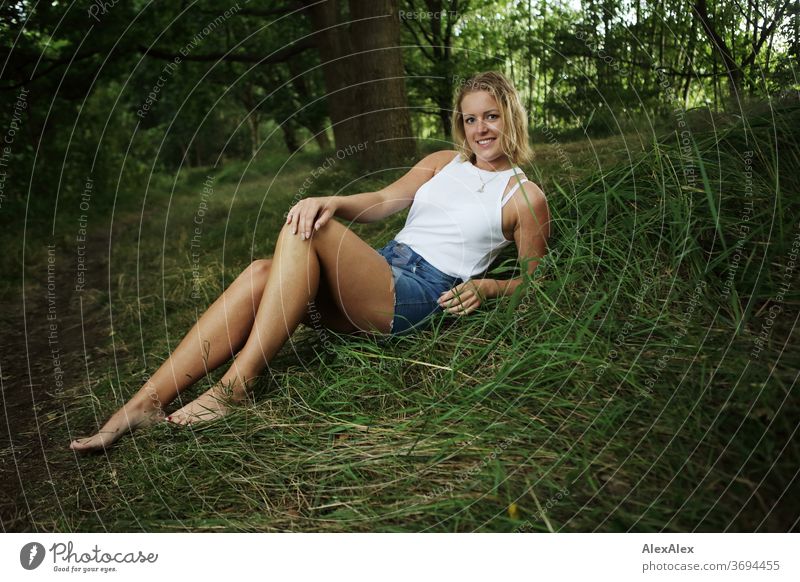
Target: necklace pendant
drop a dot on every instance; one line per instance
(481, 188)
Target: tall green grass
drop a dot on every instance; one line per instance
(615, 392)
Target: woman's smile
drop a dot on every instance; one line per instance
(483, 126)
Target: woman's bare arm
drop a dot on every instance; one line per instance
(531, 232)
(374, 206)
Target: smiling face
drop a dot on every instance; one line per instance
(483, 127)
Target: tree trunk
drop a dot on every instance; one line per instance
(364, 78)
(321, 137)
(688, 64)
(734, 71)
(253, 123)
(290, 137)
(385, 121)
(338, 70)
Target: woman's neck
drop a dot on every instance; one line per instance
(497, 165)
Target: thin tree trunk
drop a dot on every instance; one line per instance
(733, 70)
(322, 139)
(290, 136)
(338, 70)
(254, 122)
(688, 62)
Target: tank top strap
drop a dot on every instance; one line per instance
(508, 196)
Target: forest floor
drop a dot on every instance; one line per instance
(501, 425)
(56, 334)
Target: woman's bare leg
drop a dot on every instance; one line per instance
(358, 278)
(220, 333)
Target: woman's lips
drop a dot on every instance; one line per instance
(487, 144)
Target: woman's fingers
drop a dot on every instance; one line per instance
(460, 301)
(310, 214)
(310, 217)
(304, 220)
(301, 217)
(323, 218)
(294, 217)
(466, 306)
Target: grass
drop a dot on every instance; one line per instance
(617, 391)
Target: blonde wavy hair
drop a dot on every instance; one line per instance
(514, 139)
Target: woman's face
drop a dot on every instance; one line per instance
(483, 126)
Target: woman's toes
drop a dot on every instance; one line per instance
(87, 444)
(177, 418)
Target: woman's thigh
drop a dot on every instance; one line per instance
(356, 290)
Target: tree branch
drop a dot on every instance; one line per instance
(646, 66)
(419, 43)
(279, 56)
(766, 31)
(701, 9)
(53, 66)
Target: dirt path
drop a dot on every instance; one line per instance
(50, 335)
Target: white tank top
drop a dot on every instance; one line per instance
(454, 226)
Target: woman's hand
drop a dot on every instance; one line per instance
(464, 298)
(311, 213)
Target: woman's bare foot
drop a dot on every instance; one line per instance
(214, 403)
(125, 420)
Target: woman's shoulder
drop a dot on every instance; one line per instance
(449, 154)
(441, 158)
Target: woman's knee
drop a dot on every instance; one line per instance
(258, 270)
(331, 227)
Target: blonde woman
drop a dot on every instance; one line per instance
(466, 206)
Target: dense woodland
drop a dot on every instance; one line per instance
(200, 82)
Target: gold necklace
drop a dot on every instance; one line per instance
(483, 184)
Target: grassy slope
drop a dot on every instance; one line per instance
(597, 400)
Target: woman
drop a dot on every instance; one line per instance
(466, 205)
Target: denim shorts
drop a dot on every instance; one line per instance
(417, 287)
